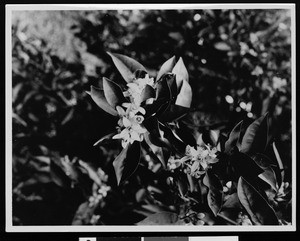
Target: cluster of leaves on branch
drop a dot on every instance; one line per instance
(198, 169)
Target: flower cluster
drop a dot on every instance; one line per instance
(196, 161)
(136, 87)
(148, 111)
(99, 195)
(130, 123)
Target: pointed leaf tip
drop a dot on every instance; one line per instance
(184, 98)
(234, 137)
(127, 161)
(99, 98)
(166, 67)
(260, 212)
(181, 72)
(126, 66)
(113, 93)
(256, 136)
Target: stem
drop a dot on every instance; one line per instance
(201, 191)
(227, 219)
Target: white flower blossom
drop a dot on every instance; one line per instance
(132, 116)
(103, 190)
(136, 87)
(198, 160)
(99, 195)
(131, 122)
(174, 163)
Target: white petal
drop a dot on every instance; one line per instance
(193, 152)
(149, 101)
(134, 87)
(135, 136)
(194, 166)
(204, 165)
(142, 110)
(120, 110)
(126, 93)
(118, 136)
(185, 158)
(120, 122)
(126, 105)
(126, 122)
(124, 134)
(213, 160)
(143, 131)
(124, 143)
(131, 114)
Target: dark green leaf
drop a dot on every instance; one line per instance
(260, 212)
(104, 138)
(156, 154)
(99, 98)
(210, 137)
(230, 215)
(215, 193)
(127, 161)
(162, 218)
(155, 136)
(166, 67)
(232, 202)
(126, 66)
(245, 166)
(162, 90)
(269, 177)
(214, 199)
(174, 112)
(113, 93)
(262, 160)
(182, 184)
(212, 181)
(184, 98)
(185, 135)
(176, 144)
(154, 108)
(222, 140)
(256, 136)
(171, 81)
(181, 72)
(148, 92)
(233, 138)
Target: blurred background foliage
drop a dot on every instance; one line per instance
(239, 67)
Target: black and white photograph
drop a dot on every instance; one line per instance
(151, 118)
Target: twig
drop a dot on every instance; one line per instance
(227, 219)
